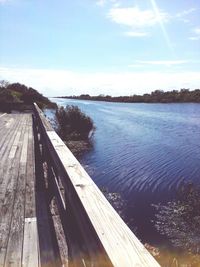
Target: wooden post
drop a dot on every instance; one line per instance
(49, 252)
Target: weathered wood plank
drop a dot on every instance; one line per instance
(6, 162)
(3, 120)
(47, 255)
(8, 133)
(14, 146)
(15, 241)
(6, 136)
(1, 115)
(2, 256)
(30, 244)
(17, 184)
(30, 207)
(8, 191)
(6, 146)
(9, 122)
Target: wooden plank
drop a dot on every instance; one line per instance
(1, 115)
(6, 164)
(17, 155)
(30, 244)
(9, 122)
(47, 255)
(10, 179)
(15, 241)
(3, 119)
(14, 146)
(30, 207)
(6, 145)
(122, 246)
(62, 243)
(2, 256)
(6, 135)
(7, 190)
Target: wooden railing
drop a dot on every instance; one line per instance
(95, 233)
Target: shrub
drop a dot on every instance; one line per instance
(73, 124)
(16, 92)
(6, 96)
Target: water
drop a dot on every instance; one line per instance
(144, 152)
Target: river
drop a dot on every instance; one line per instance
(144, 152)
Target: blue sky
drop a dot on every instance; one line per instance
(102, 46)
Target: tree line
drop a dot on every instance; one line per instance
(157, 96)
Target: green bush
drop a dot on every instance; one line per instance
(16, 92)
(6, 96)
(73, 124)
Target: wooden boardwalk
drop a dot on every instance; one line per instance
(18, 223)
(51, 212)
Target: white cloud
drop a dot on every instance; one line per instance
(135, 18)
(136, 34)
(194, 38)
(196, 34)
(197, 31)
(101, 2)
(185, 12)
(65, 82)
(167, 63)
(138, 21)
(183, 16)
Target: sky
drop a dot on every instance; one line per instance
(111, 47)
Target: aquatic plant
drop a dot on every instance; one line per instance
(179, 219)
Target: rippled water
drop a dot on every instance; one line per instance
(144, 152)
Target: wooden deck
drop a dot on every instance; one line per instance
(18, 223)
(51, 212)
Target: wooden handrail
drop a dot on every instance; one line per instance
(104, 237)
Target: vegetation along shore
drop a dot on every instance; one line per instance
(17, 93)
(157, 96)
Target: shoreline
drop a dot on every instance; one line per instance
(78, 148)
(126, 102)
(157, 96)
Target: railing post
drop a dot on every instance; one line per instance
(44, 218)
